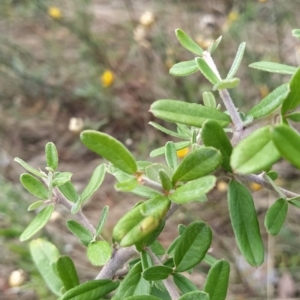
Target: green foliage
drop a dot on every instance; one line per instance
(67, 272)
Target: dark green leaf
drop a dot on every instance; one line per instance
(295, 117)
(157, 248)
(184, 68)
(273, 175)
(68, 190)
(272, 101)
(244, 223)
(273, 67)
(237, 61)
(162, 150)
(275, 216)
(110, 148)
(211, 49)
(167, 131)
(205, 69)
(187, 42)
(293, 98)
(67, 272)
(227, 84)
(146, 260)
(165, 180)
(287, 141)
(37, 223)
(99, 252)
(184, 284)
(51, 156)
(34, 186)
(191, 114)
(61, 178)
(94, 183)
(171, 155)
(210, 260)
(102, 220)
(29, 168)
(91, 290)
(133, 284)
(193, 190)
(255, 153)
(198, 163)
(209, 100)
(157, 273)
(197, 295)
(295, 201)
(35, 205)
(216, 284)
(78, 230)
(192, 246)
(213, 135)
(44, 254)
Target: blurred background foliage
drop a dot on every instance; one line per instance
(73, 64)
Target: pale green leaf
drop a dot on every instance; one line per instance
(273, 67)
(51, 156)
(34, 186)
(187, 42)
(99, 252)
(237, 61)
(184, 68)
(205, 69)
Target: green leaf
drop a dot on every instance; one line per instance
(168, 131)
(184, 284)
(227, 84)
(152, 172)
(295, 117)
(142, 297)
(171, 155)
(293, 98)
(99, 253)
(128, 185)
(165, 180)
(213, 135)
(237, 61)
(102, 220)
(34, 186)
(196, 295)
(35, 205)
(295, 201)
(205, 69)
(270, 103)
(244, 223)
(37, 223)
(210, 260)
(81, 232)
(51, 156)
(296, 33)
(110, 148)
(157, 273)
(187, 42)
(193, 190)
(133, 284)
(216, 284)
(209, 100)
(157, 248)
(91, 290)
(192, 246)
(61, 178)
(44, 254)
(162, 150)
(146, 260)
(214, 45)
(67, 272)
(273, 175)
(273, 67)
(68, 190)
(184, 68)
(287, 141)
(198, 163)
(29, 168)
(275, 216)
(94, 183)
(255, 153)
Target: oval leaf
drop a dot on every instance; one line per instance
(196, 295)
(35, 205)
(270, 102)
(61, 178)
(255, 153)
(34, 186)
(94, 183)
(198, 163)
(293, 98)
(191, 114)
(193, 190)
(184, 68)
(110, 148)
(187, 42)
(91, 290)
(78, 230)
(157, 273)
(69, 191)
(99, 253)
(192, 246)
(287, 141)
(205, 69)
(37, 223)
(184, 284)
(216, 284)
(244, 223)
(213, 135)
(44, 254)
(165, 180)
(29, 168)
(275, 216)
(67, 272)
(171, 155)
(273, 67)
(209, 100)
(51, 156)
